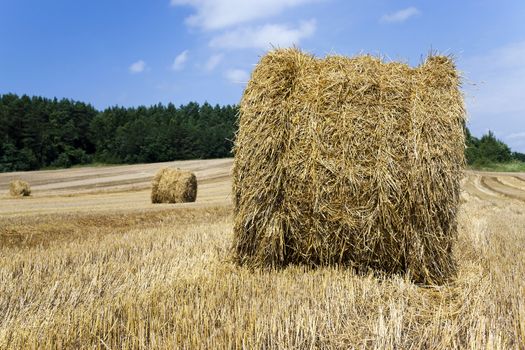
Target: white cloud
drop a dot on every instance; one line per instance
(516, 135)
(237, 76)
(499, 78)
(401, 15)
(137, 67)
(264, 37)
(516, 141)
(509, 56)
(213, 62)
(495, 82)
(219, 14)
(180, 60)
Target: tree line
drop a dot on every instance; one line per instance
(488, 150)
(37, 132)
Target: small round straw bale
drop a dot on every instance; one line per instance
(174, 186)
(19, 188)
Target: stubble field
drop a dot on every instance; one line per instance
(88, 262)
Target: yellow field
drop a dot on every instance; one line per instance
(88, 262)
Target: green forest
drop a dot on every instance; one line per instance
(37, 132)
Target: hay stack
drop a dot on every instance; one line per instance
(349, 161)
(19, 188)
(174, 186)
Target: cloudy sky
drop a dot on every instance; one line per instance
(118, 52)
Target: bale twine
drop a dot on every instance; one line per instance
(19, 188)
(349, 161)
(174, 186)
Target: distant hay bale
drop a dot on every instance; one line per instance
(174, 186)
(349, 161)
(19, 188)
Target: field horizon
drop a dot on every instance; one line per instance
(88, 262)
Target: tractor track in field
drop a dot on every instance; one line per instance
(520, 179)
(513, 182)
(474, 186)
(496, 184)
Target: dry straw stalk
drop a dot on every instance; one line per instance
(174, 186)
(349, 161)
(19, 188)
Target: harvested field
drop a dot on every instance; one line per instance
(100, 267)
(109, 188)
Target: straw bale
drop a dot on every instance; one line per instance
(19, 188)
(174, 186)
(349, 161)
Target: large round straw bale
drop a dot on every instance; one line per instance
(349, 161)
(19, 188)
(174, 186)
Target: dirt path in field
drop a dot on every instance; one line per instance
(115, 188)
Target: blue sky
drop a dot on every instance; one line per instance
(117, 52)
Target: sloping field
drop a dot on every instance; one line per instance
(109, 188)
(88, 262)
